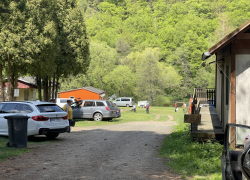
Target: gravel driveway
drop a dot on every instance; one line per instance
(122, 151)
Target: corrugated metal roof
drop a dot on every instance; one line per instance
(89, 88)
(95, 90)
(28, 79)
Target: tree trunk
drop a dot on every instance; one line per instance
(45, 89)
(12, 79)
(1, 83)
(39, 86)
(53, 87)
(57, 79)
(15, 80)
(9, 85)
(49, 90)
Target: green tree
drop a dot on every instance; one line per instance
(14, 44)
(103, 60)
(148, 76)
(120, 81)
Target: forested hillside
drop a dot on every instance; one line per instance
(151, 49)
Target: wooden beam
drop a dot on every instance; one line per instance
(233, 91)
(230, 37)
(243, 36)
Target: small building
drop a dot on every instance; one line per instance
(83, 93)
(26, 89)
(232, 85)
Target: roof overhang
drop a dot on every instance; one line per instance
(228, 39)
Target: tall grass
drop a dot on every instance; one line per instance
(189, 158)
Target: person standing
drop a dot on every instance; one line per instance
(175, 105)
(147, 108)
(184, 108)
(52, 101)
(134, 108)
(67, 108)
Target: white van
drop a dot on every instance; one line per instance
(62, 101)
(142, 104)
(124, 101)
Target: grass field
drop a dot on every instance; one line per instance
(128, 116)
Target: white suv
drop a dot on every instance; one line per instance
(45, 118)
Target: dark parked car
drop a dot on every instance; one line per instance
(236, 162)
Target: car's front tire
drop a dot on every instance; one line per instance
(52, 135)
(97, 117)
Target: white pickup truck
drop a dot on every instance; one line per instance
(142, 104)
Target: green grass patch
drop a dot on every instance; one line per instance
(188, 158)
(128, 116)
(8, 152)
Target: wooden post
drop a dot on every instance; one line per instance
(233, 91)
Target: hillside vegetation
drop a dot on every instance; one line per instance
(150, 49)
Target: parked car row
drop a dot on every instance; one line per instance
(49, 119)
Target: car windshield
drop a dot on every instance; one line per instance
(49, 108)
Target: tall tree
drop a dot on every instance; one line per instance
(120, 81)
(103, 59)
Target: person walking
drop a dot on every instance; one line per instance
(175, 105)
(147, 108)
(67, 108)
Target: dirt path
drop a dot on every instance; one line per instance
(124, 151)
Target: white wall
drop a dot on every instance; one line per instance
(221, 106)
(242, 66)
(226, 109)
(218, 93)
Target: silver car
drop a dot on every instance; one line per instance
(93, 109)
(124, 101)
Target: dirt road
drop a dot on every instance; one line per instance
(126, 151)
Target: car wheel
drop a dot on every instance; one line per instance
(97, 117)
(52, 135)
(31, 138)
(127, 105)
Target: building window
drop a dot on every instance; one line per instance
(227, 85)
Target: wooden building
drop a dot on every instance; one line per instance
(83, 93)
(233, 79)
(27, 89)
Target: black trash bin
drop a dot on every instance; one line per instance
(17, 128)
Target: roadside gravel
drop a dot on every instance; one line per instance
(126, 151)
